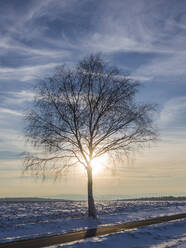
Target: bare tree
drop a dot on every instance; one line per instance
(82, 113)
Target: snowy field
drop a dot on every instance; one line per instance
(22, 220)
(166, 235)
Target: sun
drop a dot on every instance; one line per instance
(98, 164)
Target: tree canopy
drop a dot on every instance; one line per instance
(80, 114)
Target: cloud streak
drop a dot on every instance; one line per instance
(52, 31)
(26, 73)
(174, 113)
(10, 111)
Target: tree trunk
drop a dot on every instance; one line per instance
(91, 205)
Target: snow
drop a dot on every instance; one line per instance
(22, 220)
(171, 234)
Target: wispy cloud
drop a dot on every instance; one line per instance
(174, 113)
(52, 31)
(10, 111)
(26, 73)
(13, 102)
(141, 27)
(11, 140)
(144, 27)
(167, 68)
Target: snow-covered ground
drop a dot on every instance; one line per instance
(166, 235)
(33, 219)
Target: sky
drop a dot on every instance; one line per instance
(144, 38)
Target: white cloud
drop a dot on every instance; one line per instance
(135, 26)
(16, 99)
(129, 26)
(14, 141)
(11, 140)
(10, 111)
(26, 73)
(166, 67)
(144, 27)
(25, 27)
(172, 112)
(9, 43)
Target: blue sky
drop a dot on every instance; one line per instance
(145, 38)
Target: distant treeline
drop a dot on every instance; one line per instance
(38, 199)
(158, 198)
(29, 199)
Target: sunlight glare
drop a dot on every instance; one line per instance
(98, 164)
